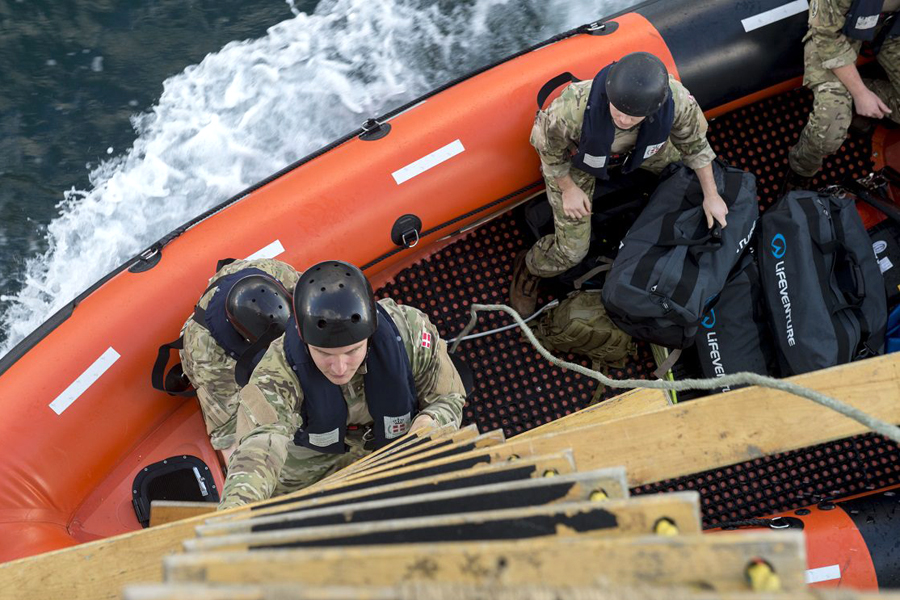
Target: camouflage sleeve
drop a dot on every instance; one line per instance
(439, 387)
(557, 130)
(211, 371)
(266, 423)
(689, 128)
(826, 19)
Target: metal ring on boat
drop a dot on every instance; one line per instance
(412, 244)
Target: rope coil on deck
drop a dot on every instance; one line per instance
(888, 430)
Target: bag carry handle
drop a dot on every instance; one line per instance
(856, 291)
(606, 264)
(712, 241)
(857, 288)
(708, 243)
(174, 382)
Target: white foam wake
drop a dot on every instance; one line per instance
(256, 106)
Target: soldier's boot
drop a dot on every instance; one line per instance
(523, 289)
(862, 126)
(793, 180)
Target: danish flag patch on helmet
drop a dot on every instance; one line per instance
(426, 339)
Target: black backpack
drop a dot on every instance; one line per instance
(822, 284)
(734, 336)
(670, 265)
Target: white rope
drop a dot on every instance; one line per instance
(877, 425)
(455, 341)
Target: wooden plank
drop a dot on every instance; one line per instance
(717, 561)
(485, 440)
(96, 569)
(537, 466)
(574, 487)
(724, 429)
(332, 485)
(447, 442)
(461, 462)
(231, 592)
(631, 403)
(633, 516)
(416, 439)
(443, 436)
(167, 511)
(436, 591)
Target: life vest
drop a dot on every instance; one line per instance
(390, 390)
(214, 320)
(862, 20)
(598, 132)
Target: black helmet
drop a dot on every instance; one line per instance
(638, 84)
(334, 305)
(254, 303)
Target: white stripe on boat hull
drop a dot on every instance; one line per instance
(774, 15)
(270, 251)
(428, 162)
(84, 381)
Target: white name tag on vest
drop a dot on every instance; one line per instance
(867, 22)
(394, 427)
(651, 150)
(323, 440)
(595, 162)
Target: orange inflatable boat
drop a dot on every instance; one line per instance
(86, 434)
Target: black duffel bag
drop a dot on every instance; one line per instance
(734, 336)
(822, 284)
(670, 264)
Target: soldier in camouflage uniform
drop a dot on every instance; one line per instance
(634, 91)
(837, 30)
(209, 366)
(316, 402)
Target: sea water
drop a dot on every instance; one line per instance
(110, 139)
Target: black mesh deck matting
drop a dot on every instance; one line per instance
(517, 390)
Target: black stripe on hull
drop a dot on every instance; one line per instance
(718, 60)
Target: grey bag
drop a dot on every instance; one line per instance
(734, 333)
(670, 265)
(821, 282)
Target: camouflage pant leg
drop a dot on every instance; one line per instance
(305, 467)
(889, 90)
(211, 371)
(826, 129)
(571, 238)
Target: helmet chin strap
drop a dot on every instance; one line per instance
(245, 363)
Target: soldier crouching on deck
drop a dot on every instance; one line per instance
(837, 31)
(632, 115)
(231, 324)
(348, 376)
